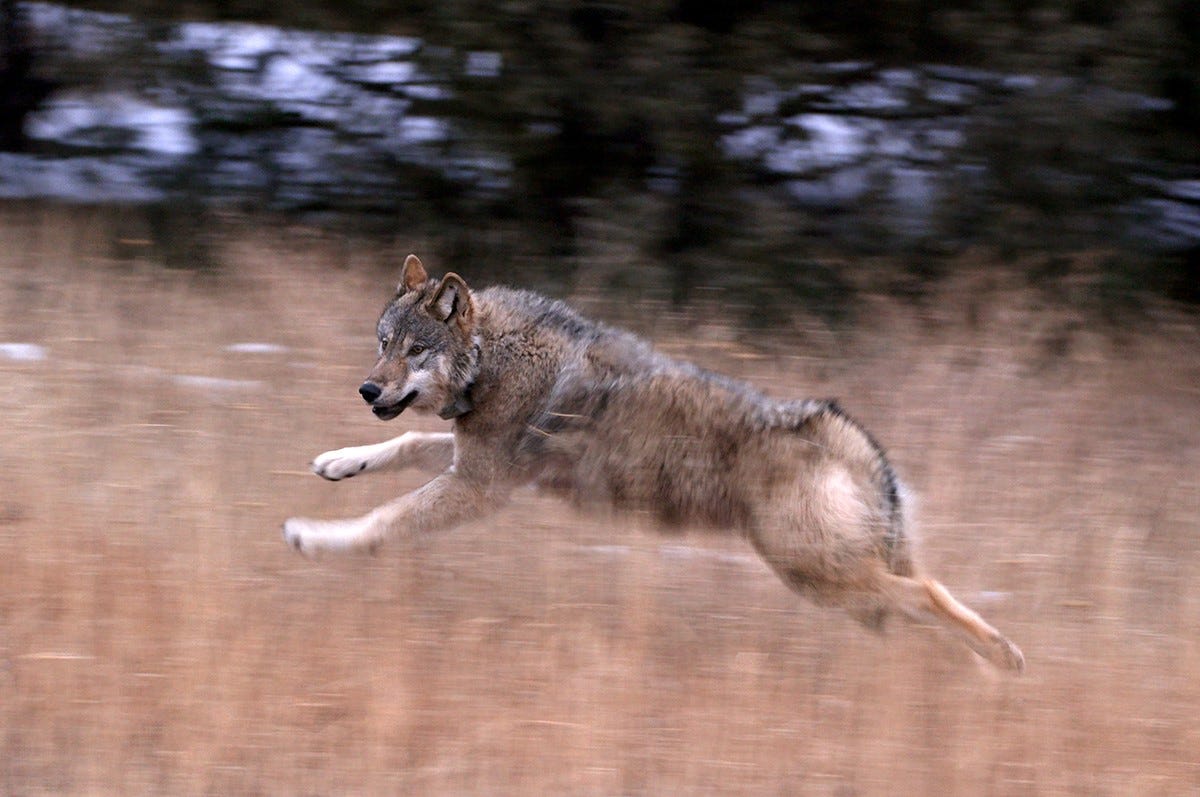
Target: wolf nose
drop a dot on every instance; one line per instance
(370, 391)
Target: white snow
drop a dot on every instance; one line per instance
(22, 352)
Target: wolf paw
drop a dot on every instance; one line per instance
(1009, 656)
(1001, 652)
(295, 532)
(341, 463)
(307, 536)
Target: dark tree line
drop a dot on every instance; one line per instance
(609, 111)
(21, 89)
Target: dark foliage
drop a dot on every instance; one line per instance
(616, 104)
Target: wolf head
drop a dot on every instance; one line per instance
(428, 354)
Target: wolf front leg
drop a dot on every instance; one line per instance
(423, 450)
(447, 501)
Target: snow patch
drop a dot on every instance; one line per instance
(23, 352)
(251, 347)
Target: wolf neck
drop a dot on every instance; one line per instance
(459, 406)
(460, 402)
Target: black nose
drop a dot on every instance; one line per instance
(370, 391)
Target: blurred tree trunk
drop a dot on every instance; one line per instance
(21, 91)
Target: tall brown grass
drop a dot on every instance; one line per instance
(156, 636)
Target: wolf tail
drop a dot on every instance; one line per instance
(898, 536)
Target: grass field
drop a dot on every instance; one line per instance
(157, 637)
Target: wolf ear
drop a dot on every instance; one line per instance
(451, 298)
(413, 276)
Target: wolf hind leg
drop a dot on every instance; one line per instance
(925, 599)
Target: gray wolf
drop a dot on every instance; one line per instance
(540, 395)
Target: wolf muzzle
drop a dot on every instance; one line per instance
(371, 393)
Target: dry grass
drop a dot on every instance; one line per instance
(156, 636)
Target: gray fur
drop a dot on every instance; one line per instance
(539, 394)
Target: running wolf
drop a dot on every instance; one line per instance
(541, 395)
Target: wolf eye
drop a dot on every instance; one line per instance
(416, 349)
(384, 342)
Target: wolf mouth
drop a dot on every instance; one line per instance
(389, 412)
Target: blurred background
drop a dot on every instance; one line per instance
(976, 223)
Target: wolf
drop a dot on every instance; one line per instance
(539, 394)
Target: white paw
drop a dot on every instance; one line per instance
(308, 536)
(341, 463)
(297, 533)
